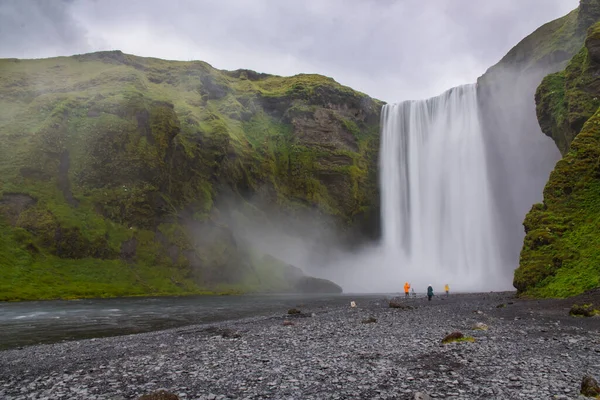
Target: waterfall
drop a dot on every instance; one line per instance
(436, 204)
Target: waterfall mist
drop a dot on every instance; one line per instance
(455, 185)
(439, 223)
(457, 174)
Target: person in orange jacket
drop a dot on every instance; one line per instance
(447, 289)
(406, 289)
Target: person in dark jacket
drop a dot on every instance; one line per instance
(429, 292)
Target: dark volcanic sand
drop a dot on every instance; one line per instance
(532, 350)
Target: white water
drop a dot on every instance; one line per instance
(436, 203)
(439, 219)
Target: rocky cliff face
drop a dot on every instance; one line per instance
(561, 252)
(520, 157)
(125, 175)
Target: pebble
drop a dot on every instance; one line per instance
(332, 356)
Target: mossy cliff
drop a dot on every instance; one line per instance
(561, 252)
(520, 157)
(121, 175)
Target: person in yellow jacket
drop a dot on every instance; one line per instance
(447, 289)
(406, 289)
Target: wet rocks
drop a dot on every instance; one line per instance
(590, 387)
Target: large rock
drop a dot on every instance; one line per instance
(590, 387)
(455, 337)
(586, 310)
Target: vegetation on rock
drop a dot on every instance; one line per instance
(561, 252)
(590, 387)
(120, 175)
(519, 158)
(586, 310)
(457, 337)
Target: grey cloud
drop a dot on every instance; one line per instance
(389, 49)
(38, 28)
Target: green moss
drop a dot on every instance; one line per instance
(553, 40)
(561, 255)
(561, 251)
(29, 275)
(567, 99)
(586, 310)
(127, 156)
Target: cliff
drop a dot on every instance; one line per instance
(122, 175)
(561, 252)
(520, 157)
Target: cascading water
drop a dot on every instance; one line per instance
(436, 203)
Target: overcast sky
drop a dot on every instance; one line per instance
(390, 49)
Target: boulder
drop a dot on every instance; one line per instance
(453, 337)
(369, 320)
(590, 387)
(160, 395)
(586, 310)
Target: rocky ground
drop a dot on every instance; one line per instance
(532, 350)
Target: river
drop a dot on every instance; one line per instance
(37, 322)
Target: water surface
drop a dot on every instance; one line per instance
(34, 322)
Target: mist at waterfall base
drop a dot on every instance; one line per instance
(454, 192)
(439, 221)
(438, 217)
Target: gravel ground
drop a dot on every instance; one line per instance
(532, 350)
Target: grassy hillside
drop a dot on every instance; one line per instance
(561, 253)
(118, 173)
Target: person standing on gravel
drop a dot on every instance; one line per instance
(406, 289)
(429, 292)
(447, 289)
